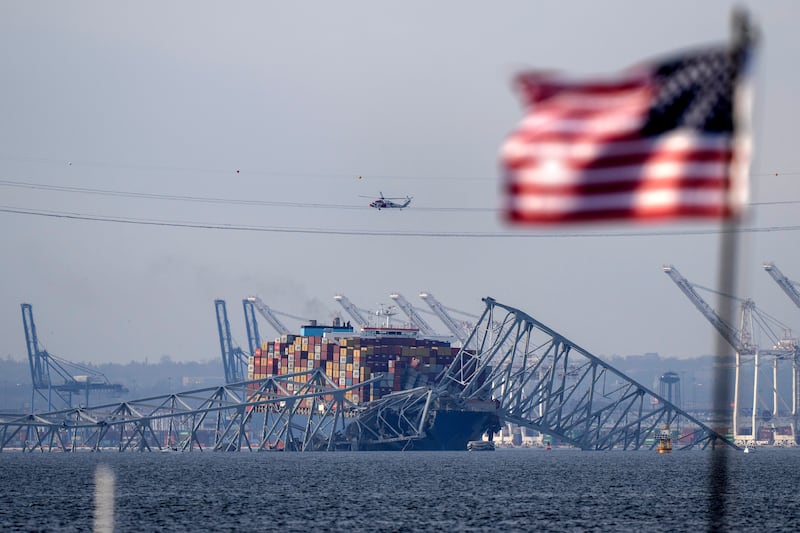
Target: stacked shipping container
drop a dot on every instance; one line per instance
(405, 362)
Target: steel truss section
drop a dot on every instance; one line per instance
(303, 411)
(398, 418)
(546, 382)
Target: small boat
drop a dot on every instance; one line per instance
(664, 441)
(480, 446)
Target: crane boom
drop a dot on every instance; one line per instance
(269, 315)
(788, 286)
(45, 367)
(728, 332)
(444, 316)
(412, 314)
(40, 377)
(253, 337)
(234, 360)
(352, 310)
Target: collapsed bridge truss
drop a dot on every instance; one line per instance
(516, 370)
(545, 382)
(300, 411)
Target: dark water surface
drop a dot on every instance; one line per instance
(506, 490)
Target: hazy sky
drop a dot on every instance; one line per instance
(270, 111)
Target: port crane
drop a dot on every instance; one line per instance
(742, 341)
(234, 360)
(752, 319)
(791, 290)
(788, 286)
(253, 336)
(270, 315)
(54, 375)
(412, 314)
(352, 310)
(459, 332)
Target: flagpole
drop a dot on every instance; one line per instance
(723, 373)
(728, 260)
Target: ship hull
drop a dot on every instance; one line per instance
(446, 430)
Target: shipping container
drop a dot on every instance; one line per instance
(404, 362)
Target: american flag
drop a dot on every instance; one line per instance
(660, 140)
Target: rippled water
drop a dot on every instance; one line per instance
(505, 490)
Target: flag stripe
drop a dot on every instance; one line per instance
(677, 182)
(602, 126)
(538, 87)
(620, 160)
(668, 212)
(576, 105)
(517, 147)
(559, 174)
(642, 200)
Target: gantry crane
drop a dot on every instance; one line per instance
(253, 337)
(459, 332)
(739, 339)
(742, 341)
(352, 310)
(269, 314)
(234, 360)
(791, 290)
(788, 286)
(412, 314)
(56, 375)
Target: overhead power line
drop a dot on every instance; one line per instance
(84, 163)
(371, 233)
(212, 200)
(158, 196)
(257, 203)
(78, 163)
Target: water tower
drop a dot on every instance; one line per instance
(669, 387)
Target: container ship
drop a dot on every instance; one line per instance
(402, 359)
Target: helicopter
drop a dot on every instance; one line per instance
(387, 203)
